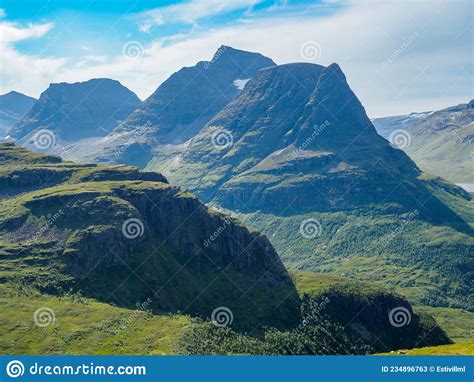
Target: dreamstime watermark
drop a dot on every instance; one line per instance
(222, 139)
(137, 134)
(310, 228)
(16, 368)
(403, 222)
(217, 232)
(47, 47)
(141, 307)
(222, 317)
(400, 138)
(310, 51)
(217, 55)
(394, 56)
(133, 228)
(317, 130)
(399, 316)
(44, 139)
(315, 315)
(44, 316)
(52, 219)
(132, 50)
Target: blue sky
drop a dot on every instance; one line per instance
(398, 56)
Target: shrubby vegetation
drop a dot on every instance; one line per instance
(317, 334)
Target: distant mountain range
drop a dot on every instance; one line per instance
(76, 111)
(176, 111)
(290, 149)
(13, 106)
(441, 142)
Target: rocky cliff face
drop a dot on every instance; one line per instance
(296, 134)
(177, 110)
(187, 100)
(124, 236)
(77, 111)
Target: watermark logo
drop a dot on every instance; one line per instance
(132, 50)
(218, 54)
(217, 232)
(133, 228)
(222, 139)
(400, 138)
(310, 228)
(317, 130)
(15, 369)
(310, 51)
(403, 222)
(399, 316)
(398, 52)
(44, 139)
(44, 316)
(222, 317)
(141, 308)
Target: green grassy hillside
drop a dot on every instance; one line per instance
(120, 235)
(64, 252)
(455, 349)
(455, 322)
(429, 263)
(82, 326)
(86, 326)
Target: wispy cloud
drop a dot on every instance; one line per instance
(395, 62)
(25, 72)
(190, 12)
(90, 59)
(12, 32)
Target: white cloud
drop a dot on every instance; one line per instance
(396, 61)
(12, 32)
(91, 58)
(22, 72)
(3, 13)
(190, 12)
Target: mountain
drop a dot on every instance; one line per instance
(13, 106)
(76, 111)
(440, 142)
(177, 110)
(103, 240)
(124, 236)
(295, 155)
(385, 125)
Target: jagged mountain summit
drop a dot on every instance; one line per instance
(190, 97)
(13, 106)
(441, 142)
(177, 110)
(297, 146)
(74, 111)
(296, 134)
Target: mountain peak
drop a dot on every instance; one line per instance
(15, 95)
(103, 83)
(78, 110)
(189, 98)
(13, 106)
(228, 55)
